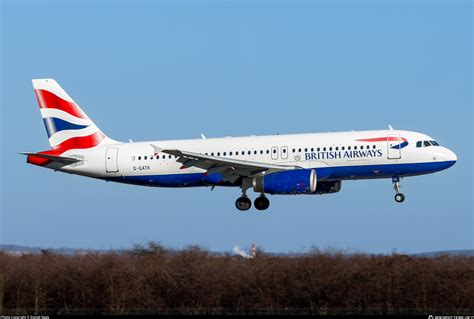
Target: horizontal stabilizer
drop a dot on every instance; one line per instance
(59, 159)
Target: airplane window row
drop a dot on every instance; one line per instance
(324, 149)
(426, 143)
(273, 151)
(152, 157)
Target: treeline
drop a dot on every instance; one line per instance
(154, 280)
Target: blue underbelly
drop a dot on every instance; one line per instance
(326, 173)
(381, 171)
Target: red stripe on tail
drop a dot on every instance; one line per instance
(80, 142)
(48, 100)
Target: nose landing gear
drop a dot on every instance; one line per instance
(399, 197)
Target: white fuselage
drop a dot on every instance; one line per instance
(335, 156)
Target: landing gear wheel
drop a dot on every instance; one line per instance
(399, 198)
(261, 203)
(243, 203)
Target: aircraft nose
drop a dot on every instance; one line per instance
(449, 155)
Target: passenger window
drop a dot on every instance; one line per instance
(349, 148)
(312, 149)
(324, 149)
(330, 149)
(249, 152)
(319, 149)
(261, 151)
(426, 143)
(237, 153)
(343, 148)
(367, 147)
(224, 153)
(139, 158)
(274, 151)
(299, 150)
(169, 156)
(337, 148)
(145, 158)
(133, 158)
(230, 153)
(373, 146)
(293, 150)
(306, 149)
(255, 152)
(218, 153)
(268, 152)
(284, 150)
(355, 147)
(212, 154)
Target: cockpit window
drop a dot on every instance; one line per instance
(426, 143)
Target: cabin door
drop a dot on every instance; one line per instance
(274, 151)
(284, 152)
(394, 143)
(111, 160)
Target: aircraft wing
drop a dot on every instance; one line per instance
(230, 168)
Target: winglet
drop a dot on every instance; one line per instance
(156, 149)
(390, 127)
(203, 136)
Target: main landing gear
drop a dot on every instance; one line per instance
(261, 202)
(399, 197)
(243, 203)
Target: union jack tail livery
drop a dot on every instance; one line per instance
(67, 125)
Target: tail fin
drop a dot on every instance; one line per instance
(68, 127)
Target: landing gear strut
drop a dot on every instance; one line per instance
(399, 197)
(243, 203)
(261, 202)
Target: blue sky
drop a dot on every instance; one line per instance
(174, 69)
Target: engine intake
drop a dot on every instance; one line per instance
(298, 181)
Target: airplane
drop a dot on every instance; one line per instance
(291, 164)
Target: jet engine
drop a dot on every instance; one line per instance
(298, 181)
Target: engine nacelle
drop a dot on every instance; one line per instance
(328, 187)
(298, 181)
